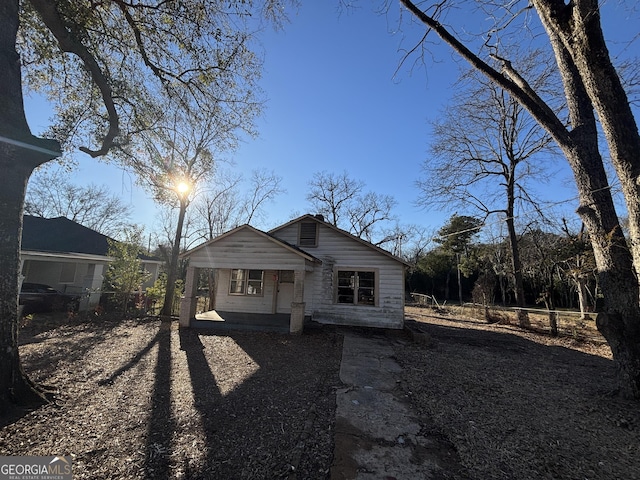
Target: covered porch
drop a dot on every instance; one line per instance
(289, 319)
(259, 283)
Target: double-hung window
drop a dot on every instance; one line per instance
(357, 287)
(246, 282)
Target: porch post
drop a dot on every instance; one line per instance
(189, 299)
(94, 287)
(296, 323)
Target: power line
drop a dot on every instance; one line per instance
(536, 210)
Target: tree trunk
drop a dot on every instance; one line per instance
(459, 279)
(20, 153)
(446, 285)
(581, 288)
(523, 316)
(550, 305)
(578, 27)
(619, 320)
(15, 387)
(172, 274)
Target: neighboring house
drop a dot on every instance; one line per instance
(304, 268)
(69, 257)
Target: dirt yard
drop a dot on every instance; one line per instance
(521, 405)
(141, 401)
(137, 400)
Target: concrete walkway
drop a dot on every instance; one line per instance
(377, 435)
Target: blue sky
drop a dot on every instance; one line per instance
(335, 103)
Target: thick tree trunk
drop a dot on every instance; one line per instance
(20, 153)
(619, 320)
(15, 387)
(579, 29)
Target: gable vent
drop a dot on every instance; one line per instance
(308, 234)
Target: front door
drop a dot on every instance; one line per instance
(285, 291)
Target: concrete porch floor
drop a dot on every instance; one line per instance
(261, 322)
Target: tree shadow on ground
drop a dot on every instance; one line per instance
(268, 420)
(161, 423)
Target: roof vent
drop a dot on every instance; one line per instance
(320, 217)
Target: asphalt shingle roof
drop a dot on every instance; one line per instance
(61, 235)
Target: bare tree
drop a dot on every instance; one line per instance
(51, 194)
(227, 204)
(591, 84)
(331, 195)
(343, 202)
(486, 149)
(215, 210)
(264, 187)
(368, 212)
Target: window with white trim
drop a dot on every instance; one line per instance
(356, 287)
(246, 282)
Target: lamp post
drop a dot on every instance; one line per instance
(182, 189)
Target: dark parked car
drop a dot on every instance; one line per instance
(37, 297)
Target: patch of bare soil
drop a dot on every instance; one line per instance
(140, 399)
(520, 405)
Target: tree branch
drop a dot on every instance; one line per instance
(64, 34)
(544, 115)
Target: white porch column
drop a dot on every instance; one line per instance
(296, 323)
(93, 286)
(189, 299)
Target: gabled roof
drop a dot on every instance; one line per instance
(64, 236)
(266, 235)
(321, 221)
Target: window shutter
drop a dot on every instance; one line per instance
(308, 234)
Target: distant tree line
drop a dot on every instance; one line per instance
(558, 269)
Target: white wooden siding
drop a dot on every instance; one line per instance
(340, 252)
(247, 249)
(245, 303)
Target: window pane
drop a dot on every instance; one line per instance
(254, 283)
(237, 282)
(255, 275)
(346, 286)
(287, 276)
(68, 273)
(366, 288)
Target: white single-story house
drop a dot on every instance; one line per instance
(70, 257)
(304, 268)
